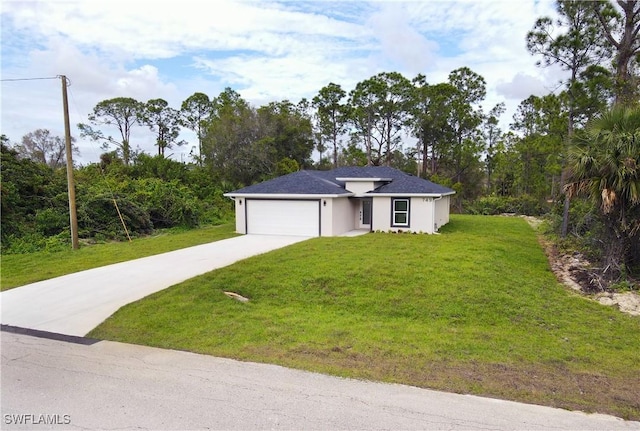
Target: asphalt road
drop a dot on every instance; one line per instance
(111, 386)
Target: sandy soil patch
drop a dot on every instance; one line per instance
(574, 271)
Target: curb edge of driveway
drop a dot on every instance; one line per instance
(49, 335)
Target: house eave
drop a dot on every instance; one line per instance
(409, 195)
(360, 179)
(286, 195)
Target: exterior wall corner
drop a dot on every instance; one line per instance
(241, 215)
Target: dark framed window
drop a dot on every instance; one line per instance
(400, 212)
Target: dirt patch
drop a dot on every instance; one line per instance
(576, 272)
(554, 385)
(627, 302)
(534, 222)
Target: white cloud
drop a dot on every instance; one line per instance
(150, 30)
(143, 84)
(407, 49)
(31, 105)
(264, 50)
(521, 86)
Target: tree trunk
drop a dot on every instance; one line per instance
(320, 148)
(335, 149)
(425, 156)
(565, 217)
(563, 178)
(434, 166)
(617, 245)
(489, 167)
(626, 48)
(126, 152)
(389, 155)
(615, 252)
(368, 141)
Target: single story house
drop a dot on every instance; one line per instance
(330, 203)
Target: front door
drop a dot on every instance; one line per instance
(365, 214)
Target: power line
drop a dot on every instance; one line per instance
(29, 79)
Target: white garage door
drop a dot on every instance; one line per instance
(282, 217)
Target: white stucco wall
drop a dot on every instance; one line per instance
(359, 187)
(241, 225)
(336, 217)
(421, 216)
(326, 216)
(342, 215)
(442, 209)
(381, 213)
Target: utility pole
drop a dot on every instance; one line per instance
(73, 218)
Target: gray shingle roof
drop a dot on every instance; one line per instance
(297, 183)
(366, 172)
(412, 185)
(325, 182)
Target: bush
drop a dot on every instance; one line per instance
(494, 205)
(154, 193)
(145, 204)
(169, 204)
(34, 242)
(27, 187)
(585, 227)
(217, 209)
(98, 217)
(51, 221)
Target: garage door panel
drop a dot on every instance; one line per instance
(283, 217)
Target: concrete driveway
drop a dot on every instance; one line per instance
(74, 304)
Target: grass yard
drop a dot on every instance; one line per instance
(21, 269)
(473, 310)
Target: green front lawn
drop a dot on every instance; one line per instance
(21, 269)
(473, 310)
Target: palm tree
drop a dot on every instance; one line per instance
(605, 164)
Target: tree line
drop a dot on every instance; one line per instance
(370, 125)
(439, 131)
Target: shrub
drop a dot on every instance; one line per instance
(51, 221)
(98, 217)
(585, 227)
(494, 205)
(217, 209)
(35, 241)
(169, 204)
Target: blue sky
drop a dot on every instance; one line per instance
(265, 50)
